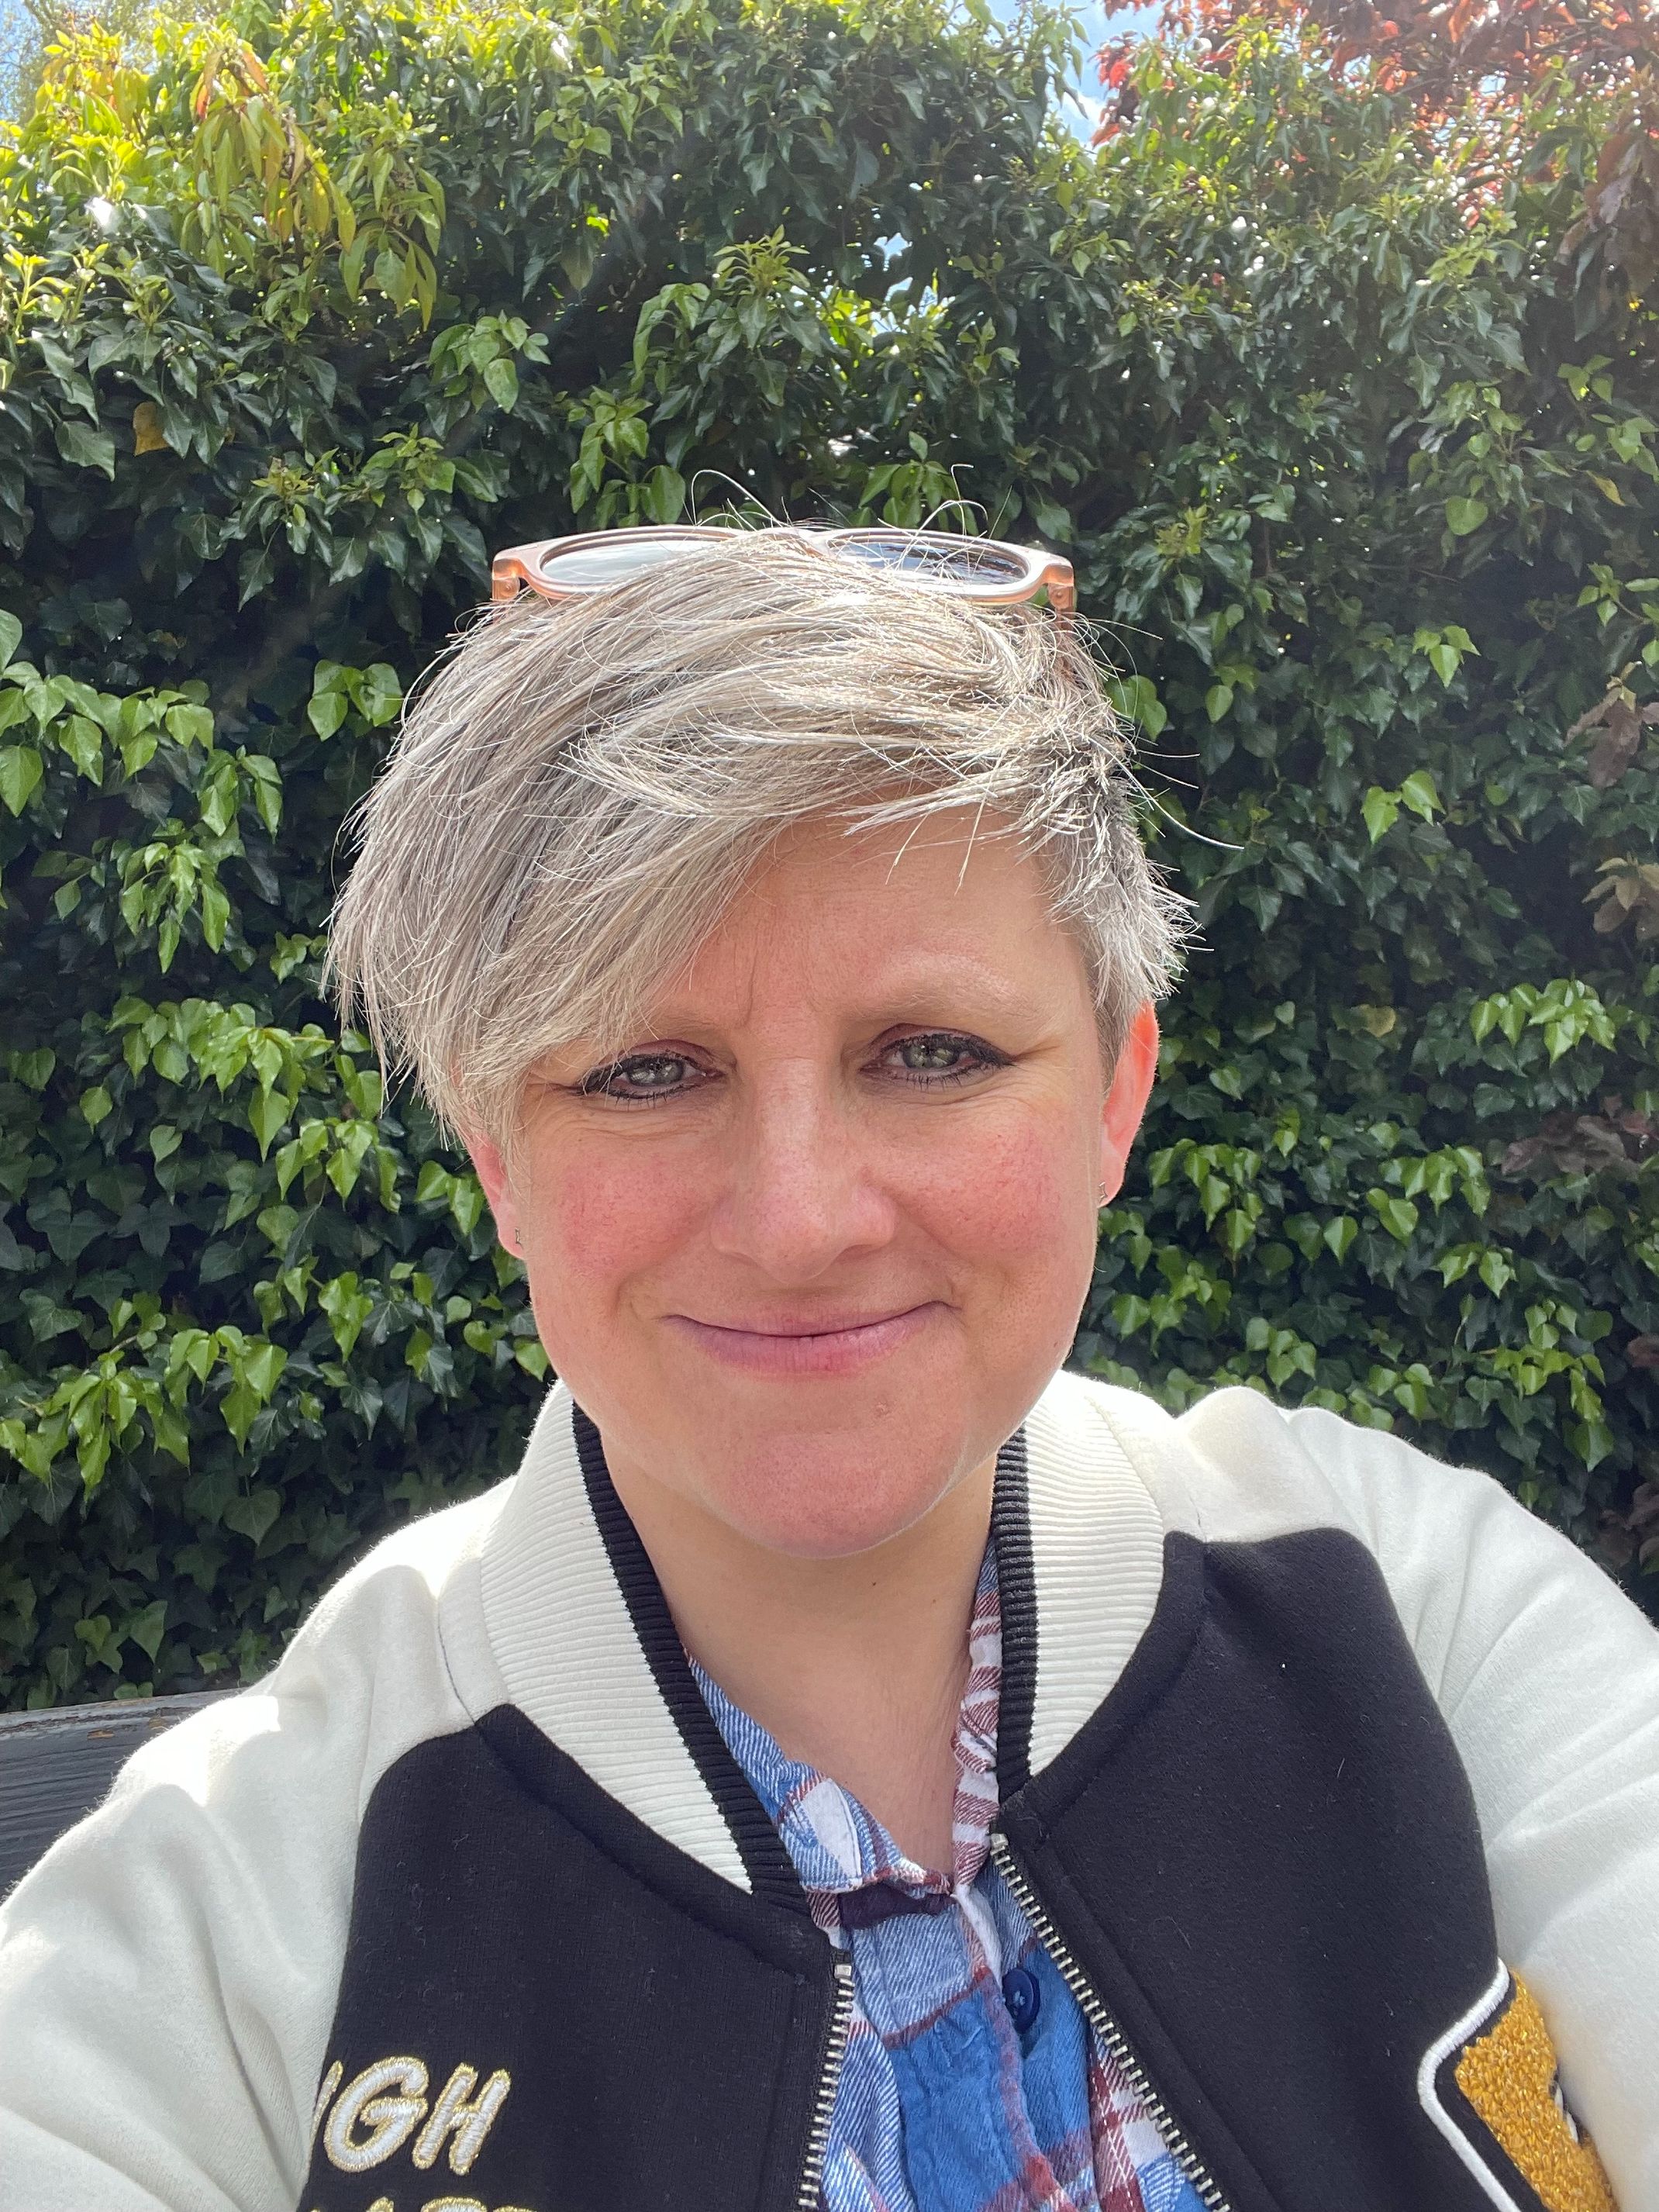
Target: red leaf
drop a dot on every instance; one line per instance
(1618, 747)
(1613, 151)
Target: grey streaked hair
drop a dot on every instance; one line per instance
(579, 790)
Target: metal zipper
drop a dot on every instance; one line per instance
(835, 2055)
(1105, 2027)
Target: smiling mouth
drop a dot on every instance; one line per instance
(815, 1346)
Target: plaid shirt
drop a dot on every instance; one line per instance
(972, 2082)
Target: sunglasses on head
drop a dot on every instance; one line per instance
(981, 569)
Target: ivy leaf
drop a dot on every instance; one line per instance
(1397, 1215)
(502, 382)
(326, 710)
(266, 1115)
(1136, 699)
(11, 636)
(255, 1515)
(84, 447)
(20, 775)
(261, 1368)
(1495, 1271)
(267, 789)
(1381, 811)
(189, 725)
(138, 752)
(466, 1203)
(33, 1069)
(84, 741)
(1338, 1235)
(1465, 516)
(664, 497)
(147, 1627)
(382, 695)
(216, 915)
(1418, 792)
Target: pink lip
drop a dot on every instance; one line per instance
(807, 1348)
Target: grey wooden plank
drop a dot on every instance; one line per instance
(55, 1766)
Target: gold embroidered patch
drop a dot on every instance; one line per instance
(1508, 2075)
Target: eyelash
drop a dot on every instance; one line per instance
(981, 1056)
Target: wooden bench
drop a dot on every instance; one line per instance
(55, 1766)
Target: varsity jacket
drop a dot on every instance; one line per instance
(1329, 1777)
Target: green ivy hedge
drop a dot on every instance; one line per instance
(303, 312)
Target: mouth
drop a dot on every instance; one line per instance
(833, 1344)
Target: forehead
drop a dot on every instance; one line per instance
(947, 907)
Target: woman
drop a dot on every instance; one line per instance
(851, 1762)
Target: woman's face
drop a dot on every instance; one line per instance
(808, 1249)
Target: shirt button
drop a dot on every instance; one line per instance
(1022, 1997)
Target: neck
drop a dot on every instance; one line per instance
(855, 1666)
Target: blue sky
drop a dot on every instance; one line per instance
(1093, 18)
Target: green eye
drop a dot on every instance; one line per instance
(643, 1075)
(659, 1075)
(931, 1055)
(940, 1056)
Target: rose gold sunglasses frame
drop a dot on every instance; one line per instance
(523, 568)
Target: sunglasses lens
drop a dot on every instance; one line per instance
(936, 558)
(599, 564)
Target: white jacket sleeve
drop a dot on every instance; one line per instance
(168, 1971)
(1548, 1678)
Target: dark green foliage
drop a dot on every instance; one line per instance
(1358, 475)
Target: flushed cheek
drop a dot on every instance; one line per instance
(1020, 1204)
(598, 1222)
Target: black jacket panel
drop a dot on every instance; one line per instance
(664, 2032)
(1263, 1853)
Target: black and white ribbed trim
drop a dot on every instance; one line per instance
(1011, 1533)
(770, 1870)
(585, 1644)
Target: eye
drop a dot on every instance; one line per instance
(643, 1078)
(936, 1056)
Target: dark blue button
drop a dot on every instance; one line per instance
(1022, 1997)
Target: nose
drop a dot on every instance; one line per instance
(799, 1193)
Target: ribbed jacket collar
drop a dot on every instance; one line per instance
(582, 1639)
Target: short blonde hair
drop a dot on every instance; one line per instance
(579, 791)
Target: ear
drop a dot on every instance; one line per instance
(1126, 1101)
(490, 1168)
